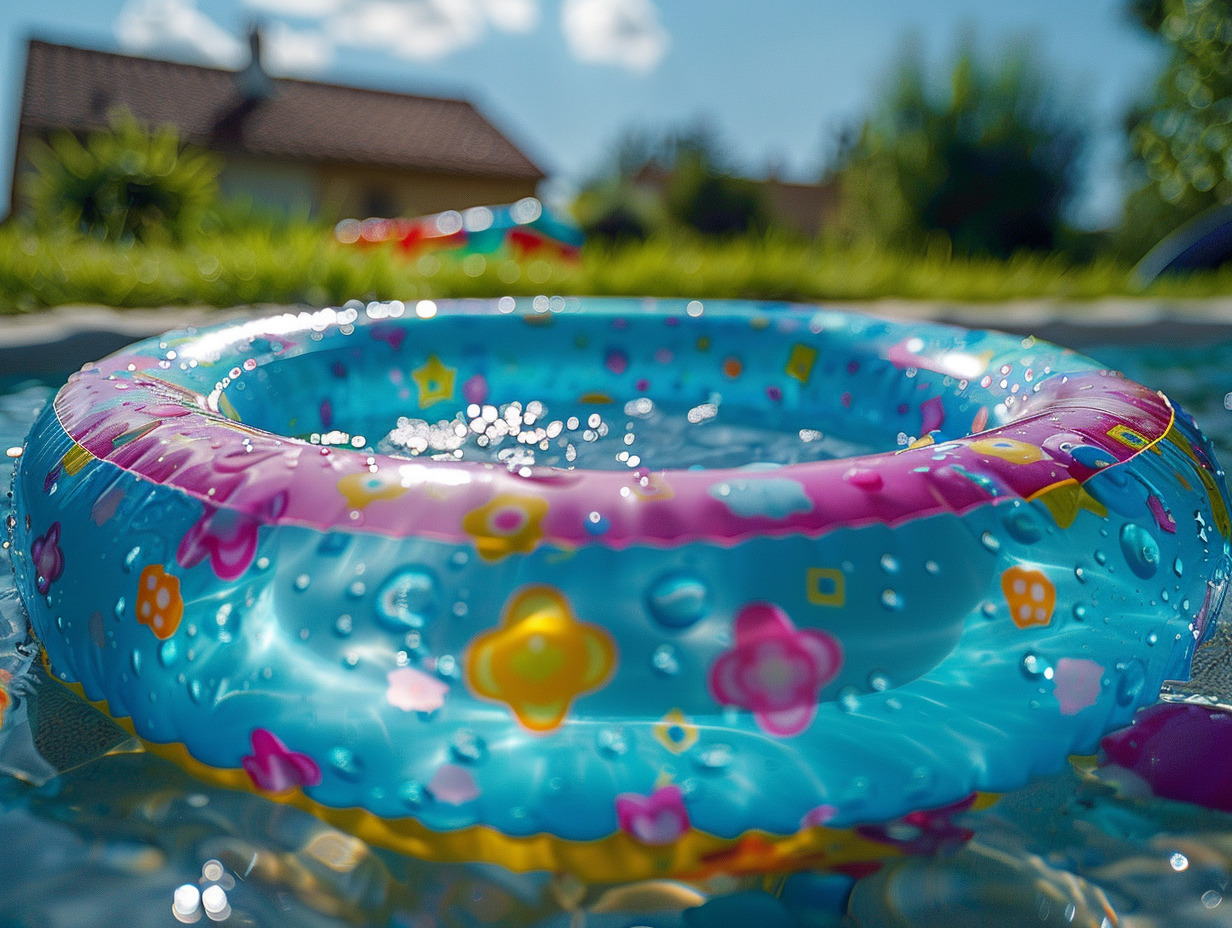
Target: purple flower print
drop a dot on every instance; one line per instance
(227, 537)
(658, 819)
(273, 768)
(48, 558)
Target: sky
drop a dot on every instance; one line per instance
(777, 79)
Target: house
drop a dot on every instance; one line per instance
(290, 145)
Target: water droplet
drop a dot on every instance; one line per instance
(1035, 667)
(1211, 898)
(343, 625)
(459, 558)
(991, 542)
(413, 794)
(135, 660)
(1179, 862)
(1080, 612)
(1022, 526)
(446, 666)
(1080, 574)
(346, 764)
(891, 600)
(168, 653)
(1140, 549)
(302, 581)
(468, 747)
(1178, 568)
(665, 661)
(357, 589)
(612, 741)
(1100, 557)
(1152, 639)
(849, 699)
(713, 757)
(407, 599)
(196, 691)
(878, 682)
(1133, 678)
(119, 607)
(932, 567)
(677, 600)
(131, 558)
(989, 610)
(889, 563)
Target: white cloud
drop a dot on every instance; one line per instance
(176, 28)
(512, 15)
(621, 32)
(296, 51)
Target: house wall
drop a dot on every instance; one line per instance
(359, 192)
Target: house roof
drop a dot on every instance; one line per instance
(76, 88)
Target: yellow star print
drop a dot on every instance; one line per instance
(435, 381)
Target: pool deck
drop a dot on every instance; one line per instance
(66, 337)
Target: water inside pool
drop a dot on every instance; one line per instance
(96, 832)
(640, 434)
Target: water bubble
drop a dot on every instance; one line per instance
(665, 661)
(357, 589)
(1178, 862)
(713, 757)
(343, 625)
(677, 600)
(889, 563)
(1022, 526)
(1133, 678)
(991, 542)
(346, 764)
(891, 600)
(1035, 667)
(932, 568)
(849, 699)
(1211, 898)
(878, 682)
(1140, 549)
(612, 742)
(167, 653)
(407, 599)
(468, 747)
(302, 581)
(1080, 612)
(413, 794)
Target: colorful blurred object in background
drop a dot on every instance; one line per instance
(523, 229)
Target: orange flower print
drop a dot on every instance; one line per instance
(159, 604)
(1030, 594)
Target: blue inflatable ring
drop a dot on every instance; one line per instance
(944, 561)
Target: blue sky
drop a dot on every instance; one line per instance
(777, 78)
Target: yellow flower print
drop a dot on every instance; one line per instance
(675, 732)
(365, 487)
(159, 604)
(509, 524)
(1008, 449)
(540, 659)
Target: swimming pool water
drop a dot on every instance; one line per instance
(93, 831)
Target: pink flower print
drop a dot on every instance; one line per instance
(227, 537)
(273, 768)
(413, 690)
(658, 819)
(48, 558)
(775, 669)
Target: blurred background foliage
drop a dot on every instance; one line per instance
(985, 163)
(1181, 135)
(130, 182)
(959, 184)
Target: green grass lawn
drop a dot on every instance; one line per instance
(303, 264)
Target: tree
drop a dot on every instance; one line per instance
(123, 183)
(1182, 137)
(989, 162)
(681, 179)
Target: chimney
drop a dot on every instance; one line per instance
(253, 82)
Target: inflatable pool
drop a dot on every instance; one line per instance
(621, 588)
